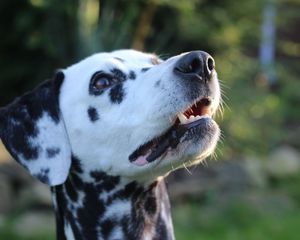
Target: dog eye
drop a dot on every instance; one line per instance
(101, 81)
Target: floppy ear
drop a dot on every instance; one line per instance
(33, 131)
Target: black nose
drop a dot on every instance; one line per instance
(196, 64)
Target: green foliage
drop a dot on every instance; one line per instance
(39, 36)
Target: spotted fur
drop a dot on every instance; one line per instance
(117, 93)
(93, 114)
(76, 135)
(108, 208)
(34, 133)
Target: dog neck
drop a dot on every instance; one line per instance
(108, 207)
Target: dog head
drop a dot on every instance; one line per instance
(126, 113)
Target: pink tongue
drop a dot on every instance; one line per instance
(141, 160)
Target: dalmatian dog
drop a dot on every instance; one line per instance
(104, 132)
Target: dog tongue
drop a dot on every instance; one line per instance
(141, 160)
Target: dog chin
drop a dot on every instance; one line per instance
(200, 149)
(196, 144)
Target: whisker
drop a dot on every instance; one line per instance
(223, 84)
(187, 169)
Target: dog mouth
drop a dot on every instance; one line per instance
(194, 117)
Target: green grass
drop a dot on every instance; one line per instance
(234, 223)
(8, 233)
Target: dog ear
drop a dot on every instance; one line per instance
(33, 131)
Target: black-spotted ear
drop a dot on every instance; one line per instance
(33, 131)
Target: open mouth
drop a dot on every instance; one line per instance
(194, 116)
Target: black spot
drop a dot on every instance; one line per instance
(106, 227)
(77, 181)
(157, 83)
(144, 69)
(93, 114)
(76, 165)
(64, 214)
(105, 182)
(117, 93)
(88, 215)
(132, 75)
(52, 152)
(60, 204)
(150, 205)
(161, 230)
(71, 189)
(57, 82)
(119, 74)
(43, 175)
(74, 180)
(125, 193)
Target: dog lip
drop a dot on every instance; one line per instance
(175, 136)
(193, 116)
(155, 148)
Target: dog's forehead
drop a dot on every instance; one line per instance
(134, 57)
(121, 59)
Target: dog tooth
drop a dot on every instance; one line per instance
(198, 117)
(191, 119)
(182, 118)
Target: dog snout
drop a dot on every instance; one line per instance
(195, 65)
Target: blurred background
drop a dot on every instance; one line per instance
(250, 189)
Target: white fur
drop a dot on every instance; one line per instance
(119, 206)
(117, 233)
(68, 232)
